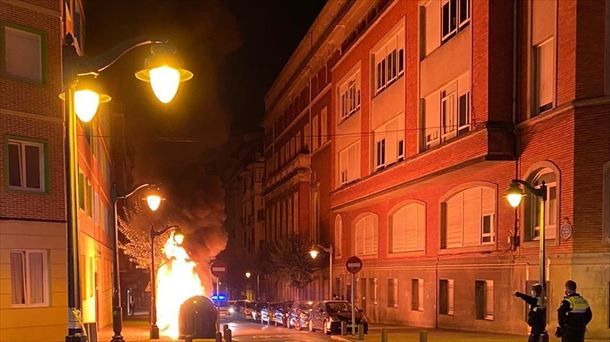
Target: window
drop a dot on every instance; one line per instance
(446, 114)
(373, 291)
(366, 235)
(82, 197)
(533, 206)
(338, 236)
(23, 57)
(543, 28)
(451, 12)
(417, 294)
(323, 125)
(349, 97)
(349, 164)
(407, 228)
(29, 278)
(96, 208)
(446, 297)
(89, 199)
(306, 137)
(295, 210)
(380, 154)
(315, 133)
(392, 293)
(26, 163)
(401, 149)
(388, 61)
(484, 299)
(468, 218)
(544, 90)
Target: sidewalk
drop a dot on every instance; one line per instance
(407, 334)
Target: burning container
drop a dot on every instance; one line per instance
(198, 318)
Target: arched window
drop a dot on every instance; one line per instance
(338, 235)
(408, 228)
(366, 236)
(468, 218)
(533, 205)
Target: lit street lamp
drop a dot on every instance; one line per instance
(153, 199)
(82, 100)
(330, 250)
(248, 275)
(514, 195)
(178, 238)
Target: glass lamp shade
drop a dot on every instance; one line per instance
(153, 201)
(86, 103)
(514, 195)
(248, 274)
(314, 253)
(164, 80)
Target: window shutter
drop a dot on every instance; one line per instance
(391, 141)
(421, 227)
(375, 234)
(338, 235)
(411, 227)
(472, 216)
(545, 74)
(489, 299)
(455, 210)
(359, 240)
(398, 231)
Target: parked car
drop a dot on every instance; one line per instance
(232, 307)
(256, 311)
(299, 314)
(268, 312)
(328, 315)
(245, 308)
(282, 312)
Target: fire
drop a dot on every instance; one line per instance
(176, 282)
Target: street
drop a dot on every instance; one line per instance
(251, 331)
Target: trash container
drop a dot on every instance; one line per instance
(198, 318)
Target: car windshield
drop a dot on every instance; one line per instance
(249, 305)
(333, 307)
(305, 306)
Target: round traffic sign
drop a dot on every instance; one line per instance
(353, 264)
(219, 269)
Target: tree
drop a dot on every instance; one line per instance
(290, 258)
(135, 228)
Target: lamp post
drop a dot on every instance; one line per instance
(248, 275)
(153, 200)
(514, 196)
(178, 238)
(82, 100)
(330, 250)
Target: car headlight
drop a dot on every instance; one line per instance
(231, 310)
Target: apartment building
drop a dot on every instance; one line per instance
(33, 259)
(433, 107)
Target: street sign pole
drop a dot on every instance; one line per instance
(353, 305)
(217, 305)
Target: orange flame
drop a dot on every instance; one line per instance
(176, 282)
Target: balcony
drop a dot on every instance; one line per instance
(299, 168)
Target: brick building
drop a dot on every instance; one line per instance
(33, 265)
(396, 127)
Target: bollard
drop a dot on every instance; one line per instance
(224, 329)
(188, 338)
(218, 336)
(343, 328)
(360, 331)
(384, 335)
(228, 335)
(423, 336)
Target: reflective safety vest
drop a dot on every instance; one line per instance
(578, 305)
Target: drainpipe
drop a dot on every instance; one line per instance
(516, 145)
(437, 294)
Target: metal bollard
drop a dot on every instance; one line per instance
(384, 335)
(224, 329)
(360, 331)
(228, 335)
(343, 328)
(423, 336)
(218, 336)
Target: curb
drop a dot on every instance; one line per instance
(344, 339)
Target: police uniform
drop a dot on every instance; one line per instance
(573, 315)
(536, 317)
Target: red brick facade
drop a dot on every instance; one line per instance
(505, 140)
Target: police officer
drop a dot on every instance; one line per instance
(536, 317)
(573, 315)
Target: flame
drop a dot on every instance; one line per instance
(176, 282)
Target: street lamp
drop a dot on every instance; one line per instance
(514, 195)
(314, 252)
(117, 311)
(258, 281)
(82, 99)
(178, 237)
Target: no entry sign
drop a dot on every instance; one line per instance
(219, 269)
(353, 265)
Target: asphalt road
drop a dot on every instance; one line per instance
(250, 331)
